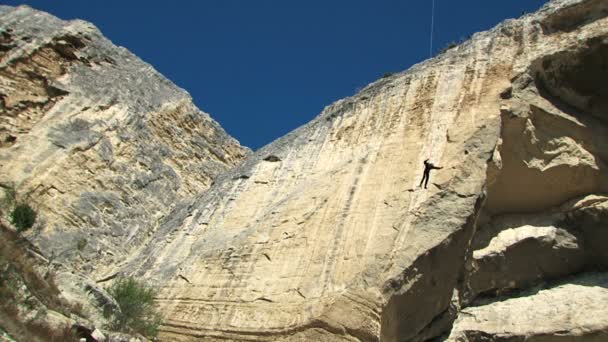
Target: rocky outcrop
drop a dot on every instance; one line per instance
(100, 143)
(32, 307)
(573, 310)
(324, 235)
(516, 251)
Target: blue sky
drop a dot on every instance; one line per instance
(261, 68)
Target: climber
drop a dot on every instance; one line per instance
(428, 166)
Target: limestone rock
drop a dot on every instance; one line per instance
(520, 256)
(324, 235)
(93, 299)
(331, 240)
(99, 142)
(589, 217)
(574, 310)
(98, 336)
(517, 251)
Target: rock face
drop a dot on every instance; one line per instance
(324, 235)
(97, 140)
(574, 310)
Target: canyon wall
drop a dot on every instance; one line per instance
(100, 143)
(325, 234)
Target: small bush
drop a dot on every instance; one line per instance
(23, 217)
(136, 302)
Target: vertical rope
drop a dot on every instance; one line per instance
(432, 28)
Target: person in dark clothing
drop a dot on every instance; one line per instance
(428, 166)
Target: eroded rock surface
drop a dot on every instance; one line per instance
(324, 235)
(100, 143)
(570, 311)
(517, 251)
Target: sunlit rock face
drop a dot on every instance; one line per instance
(100, 143)
(325, 235)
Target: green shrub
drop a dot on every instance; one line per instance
(23, 217)
(136, 302)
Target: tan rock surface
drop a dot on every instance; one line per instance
(571, 311)
(516, 251)
(323, 235)
(101, 144)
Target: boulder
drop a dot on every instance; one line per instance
(572, 310)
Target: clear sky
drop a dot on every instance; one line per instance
(261, 68)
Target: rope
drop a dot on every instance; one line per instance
(432, 29)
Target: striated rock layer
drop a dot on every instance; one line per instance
(98, 141)
(324, 235)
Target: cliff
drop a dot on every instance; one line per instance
(325, 235)
(100, 143)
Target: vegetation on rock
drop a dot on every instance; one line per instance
(136, 302)
(24, 290)
(23, 216)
